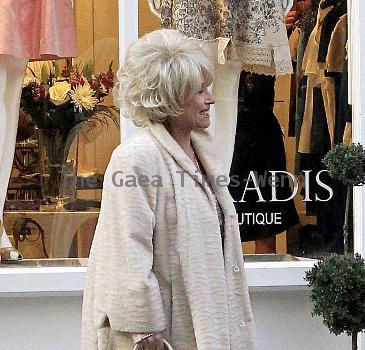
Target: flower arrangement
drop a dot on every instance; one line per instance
(63, 105)
(62, 100)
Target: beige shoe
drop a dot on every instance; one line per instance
(10, 254)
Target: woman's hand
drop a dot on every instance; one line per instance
(298, 11)
(153, 342)
(292, 17)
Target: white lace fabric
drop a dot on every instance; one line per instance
(252, 30)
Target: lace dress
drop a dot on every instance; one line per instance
(252, 31)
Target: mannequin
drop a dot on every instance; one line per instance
(11, 78)
(241, 39)
(52, 36)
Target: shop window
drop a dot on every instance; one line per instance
(296, 121)
(54, 192)
(285, 126)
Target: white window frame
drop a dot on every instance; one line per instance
(262, 275)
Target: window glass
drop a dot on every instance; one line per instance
(285, 199)
(54, 192)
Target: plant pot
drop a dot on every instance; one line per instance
(58, 173)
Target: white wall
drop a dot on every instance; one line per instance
(47, 323)
(283, 320)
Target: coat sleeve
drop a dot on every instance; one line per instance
(128, 291)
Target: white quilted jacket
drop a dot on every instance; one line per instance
(156, 262)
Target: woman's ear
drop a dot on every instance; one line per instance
(155, 7)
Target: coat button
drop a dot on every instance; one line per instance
(236, 269)
(241, 324)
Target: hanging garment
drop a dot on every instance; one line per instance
(334, 65)
(324, 124)
(318, 77)
(37, 29)
(337, 67)
(293, 44)
(305, 29)
(331, 215)
(328, 26)
(343, 129)
(29, 29)
(259, 147)
(252, 30)
(315, 78)
(336, 55)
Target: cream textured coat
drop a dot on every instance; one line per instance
(156, 262)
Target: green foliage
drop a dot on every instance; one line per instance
(346, 163)
(88, 70)
(44, 74)
(338, 292)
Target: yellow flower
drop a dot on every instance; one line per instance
(83, 97)
(58, 92)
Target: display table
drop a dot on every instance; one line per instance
(60, 229)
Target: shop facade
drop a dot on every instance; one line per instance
(42, 306)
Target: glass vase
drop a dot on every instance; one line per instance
(58, 171)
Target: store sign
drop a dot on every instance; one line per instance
(276, 179)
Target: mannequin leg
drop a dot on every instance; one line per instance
(225, 92)
(12, 71)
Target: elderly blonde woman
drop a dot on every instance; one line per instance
(166, 260)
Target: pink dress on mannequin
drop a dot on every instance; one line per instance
(29, 30)
(37, 29)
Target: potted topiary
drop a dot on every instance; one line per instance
(346, 163)
(338, 292)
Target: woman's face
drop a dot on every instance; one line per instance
(197, 110)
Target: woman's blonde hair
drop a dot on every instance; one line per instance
(161, 71)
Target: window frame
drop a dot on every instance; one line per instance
(261, 275)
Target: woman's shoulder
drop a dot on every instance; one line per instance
(138, 148)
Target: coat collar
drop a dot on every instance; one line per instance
(205, 149)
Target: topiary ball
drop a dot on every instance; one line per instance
(346, 163)
(338, 292)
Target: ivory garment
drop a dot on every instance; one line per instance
(11, 78)
(156, 262)
(252, 30)
(237, 35)
(315, 78)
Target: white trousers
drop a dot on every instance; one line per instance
(12, 71)
(224, 113)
